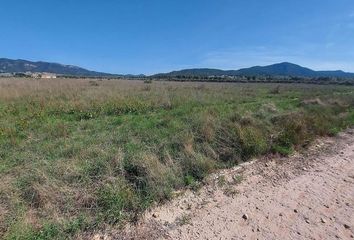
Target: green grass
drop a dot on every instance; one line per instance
(77, 156)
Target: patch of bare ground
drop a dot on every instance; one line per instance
(309, 195)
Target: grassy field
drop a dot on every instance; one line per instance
(80, 155)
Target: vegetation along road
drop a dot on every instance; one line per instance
(305, 196)
(84, 156)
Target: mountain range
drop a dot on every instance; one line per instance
(23, 66)
(279, 69)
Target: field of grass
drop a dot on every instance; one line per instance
(80, 155)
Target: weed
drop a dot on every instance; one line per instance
(275, 90)
(230, 191)
(116, 201)
(184, 220)
(222, 181)
(76, 156)
(237, 179)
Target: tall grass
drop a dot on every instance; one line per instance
(78, 155)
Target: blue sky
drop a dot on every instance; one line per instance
(149, 36)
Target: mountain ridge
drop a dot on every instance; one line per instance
(22, 66)
(278, 69)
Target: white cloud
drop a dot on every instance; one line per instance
(239, 58)
(328, 65)
(307, 56)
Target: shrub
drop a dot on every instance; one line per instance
(151, 178)
(275, 90)
(117, 201)
(292, 131)
(198, 166)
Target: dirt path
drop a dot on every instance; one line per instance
(307, 196)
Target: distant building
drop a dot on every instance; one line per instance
(35, 75)
(5, 74)
(48, 75)
(43, 75)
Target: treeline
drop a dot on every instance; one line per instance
(230, 79)
(257, 79)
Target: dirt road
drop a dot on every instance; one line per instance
(306, 196)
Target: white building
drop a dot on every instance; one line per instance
(48, 75)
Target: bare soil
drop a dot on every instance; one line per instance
(309, 195)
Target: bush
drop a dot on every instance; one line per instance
(116, 201)
(198, 166)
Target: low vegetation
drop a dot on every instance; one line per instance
(256, 79)
(79, 155)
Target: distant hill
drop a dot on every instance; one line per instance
(22, 66)
(199, 72)
(279, 69)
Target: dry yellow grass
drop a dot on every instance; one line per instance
(77, 155)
